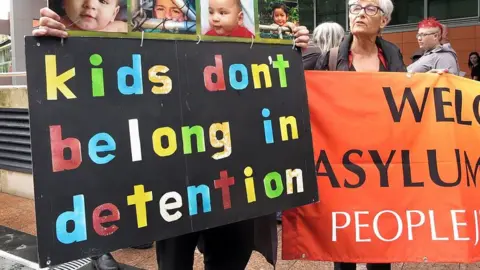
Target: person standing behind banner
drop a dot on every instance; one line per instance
(225, 247)
(473, 64)
(439, 56)
(363, 50)
(326, 36)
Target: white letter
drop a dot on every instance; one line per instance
(334, 224)
(456, 224)
(476, 226)
(357, 226)
(410, 225)
(297, 173)
(164, 207)
(432, 227)
(135, 140)
(399, 226)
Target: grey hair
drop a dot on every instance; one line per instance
(385, 5)
(327, 35)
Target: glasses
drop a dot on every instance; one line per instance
(422, 35)
(370, 10)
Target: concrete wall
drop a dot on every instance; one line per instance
(15, 183)
(5, 27)
(464, 40)
(22, 13)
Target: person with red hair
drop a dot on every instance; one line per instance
(436, 58)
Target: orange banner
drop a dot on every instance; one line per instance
(398, 170)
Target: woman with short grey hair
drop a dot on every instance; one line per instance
(326, 36)
(363, 49)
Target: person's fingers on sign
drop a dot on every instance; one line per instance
(301, 36)
(50, 25)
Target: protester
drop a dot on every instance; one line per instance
(438, 56)
(473, 60)
(326, 36)
(364, 51)
(225, 247)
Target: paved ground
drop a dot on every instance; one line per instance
(19, 214)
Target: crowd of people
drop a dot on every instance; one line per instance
(329, 49)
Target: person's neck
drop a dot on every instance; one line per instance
(364, 45)
(435, 47)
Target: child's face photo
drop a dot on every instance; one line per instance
(228, 18)
(224, 16)
(92, 15)
(277, 19)
(279, 16)
(164, 16)
(166, 9)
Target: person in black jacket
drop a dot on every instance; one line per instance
(326, 36)
(473, 64)
(363, 49)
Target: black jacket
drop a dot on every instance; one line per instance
(391, 52)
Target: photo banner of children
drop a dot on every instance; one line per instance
(247, 21)
(149, 144)
(92, 16)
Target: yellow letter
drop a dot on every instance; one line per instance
(155, 78)
(256, 69)
(55, 81)
(292, 121)
(140, 199)
(225, 142)
(249, 185)
(157, 141)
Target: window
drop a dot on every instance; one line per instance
(452, 9)
(408, 11)
(331, 10)
(306, 12)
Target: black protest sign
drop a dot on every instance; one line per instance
(138, 143)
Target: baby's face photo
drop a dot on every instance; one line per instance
(224, 15)
(166, 9)
(91, 15)
(279, 16)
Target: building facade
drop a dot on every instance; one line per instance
(461, 17)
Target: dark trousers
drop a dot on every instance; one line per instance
(370, 266)
(227, 247)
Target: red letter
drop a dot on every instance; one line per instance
(224, 183)
(218, 71)
(98, 220)
(58, 145)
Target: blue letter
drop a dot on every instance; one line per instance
(267, 126)
(94, 148)
(136, 73)
(232, 73)
(79, 233)
(192, 199)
